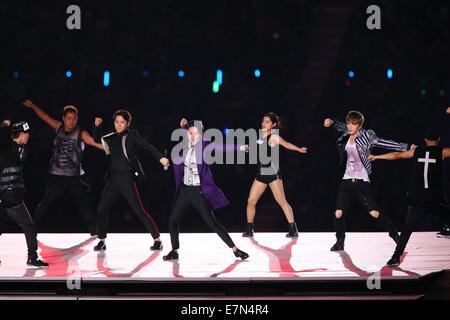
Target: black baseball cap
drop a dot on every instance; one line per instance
(431, 134)
(21, 126)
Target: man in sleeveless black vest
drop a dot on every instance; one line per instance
(65, 165)
(12, 189)
(426, 193)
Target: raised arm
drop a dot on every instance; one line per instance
(393, 155)
(97, 131)
(223, 147)
(86, 137)
(338, 125)
(55, 124)
(387, 144)
(276, 139)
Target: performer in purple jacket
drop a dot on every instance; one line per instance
(194, 185)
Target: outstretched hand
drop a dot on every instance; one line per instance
(372, 157)
(328, 122)
(244, 148)
(6, 123)
(164, 162)
(303, 150)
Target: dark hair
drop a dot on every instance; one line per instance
(355, 117)
(196, 123)
(15, 135)
(431, 134)
(275, 119)
(68, 109)
(124, 113)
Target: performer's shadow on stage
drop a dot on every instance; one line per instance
(109, 272)
(62, 262)
(231, 267)
(176, 268)
(280, 259)
(228, 269)
(385, 271)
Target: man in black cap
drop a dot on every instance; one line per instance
(12, 189)
(426, 192)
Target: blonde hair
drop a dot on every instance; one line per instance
(68, 109)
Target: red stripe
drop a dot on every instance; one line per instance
(142, 207)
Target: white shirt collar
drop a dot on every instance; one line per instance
(193, 144)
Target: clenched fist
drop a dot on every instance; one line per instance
(328, 122)
(164, 162)
(27, 103)
(98, 122)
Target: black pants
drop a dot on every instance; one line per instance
(186, 197)
(363, 192)
(415, 214)
(57, 186)
(117, 185)
(12, 205)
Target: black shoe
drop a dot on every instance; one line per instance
(293, 232)
(240, 254)
(34, 261)
(394, 261)
(101, 246)
(171, 256)
(157, 245)
(395, 236)
(445, 232)
(338, 246)
(248, 230)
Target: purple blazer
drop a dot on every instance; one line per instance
(211, 192)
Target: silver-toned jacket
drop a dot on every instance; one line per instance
(365, 141)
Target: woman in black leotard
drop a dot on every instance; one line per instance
(269, 174)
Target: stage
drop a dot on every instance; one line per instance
(278, 267)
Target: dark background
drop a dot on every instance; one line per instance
(304, 50)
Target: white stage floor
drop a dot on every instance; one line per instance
(203, 256)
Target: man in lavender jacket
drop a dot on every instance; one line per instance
(194, 185)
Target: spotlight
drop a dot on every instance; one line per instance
(215, 86)
(390, 73)
(106, 77)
